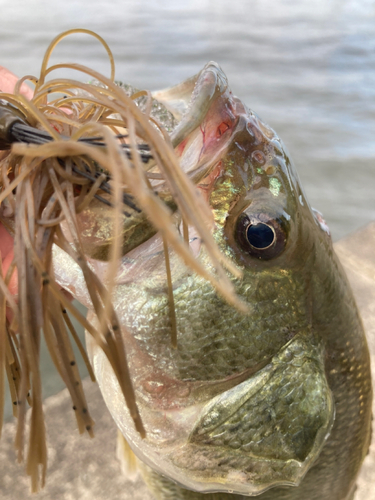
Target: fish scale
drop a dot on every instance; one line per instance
(198, 356)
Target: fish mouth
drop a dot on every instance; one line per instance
(266, 431)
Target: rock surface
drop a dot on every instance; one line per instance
(79, 468)
(85, 469)
(357, 254)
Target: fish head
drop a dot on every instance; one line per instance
(242, 404)
(243, 170)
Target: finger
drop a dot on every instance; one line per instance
(8, 81)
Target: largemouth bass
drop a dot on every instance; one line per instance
(275, 403)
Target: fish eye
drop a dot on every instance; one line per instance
(260, 235)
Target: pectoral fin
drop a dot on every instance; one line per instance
(126, 457)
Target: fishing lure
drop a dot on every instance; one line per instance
(70, 145)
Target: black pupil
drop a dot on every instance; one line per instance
(260, 235)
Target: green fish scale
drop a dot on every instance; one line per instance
(212, 346)
(276, 423)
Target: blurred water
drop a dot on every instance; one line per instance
(307, 68)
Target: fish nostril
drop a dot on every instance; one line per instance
(250, 131)
(270, 170)
(258, 157)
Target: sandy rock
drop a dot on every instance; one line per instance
(79, 468)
